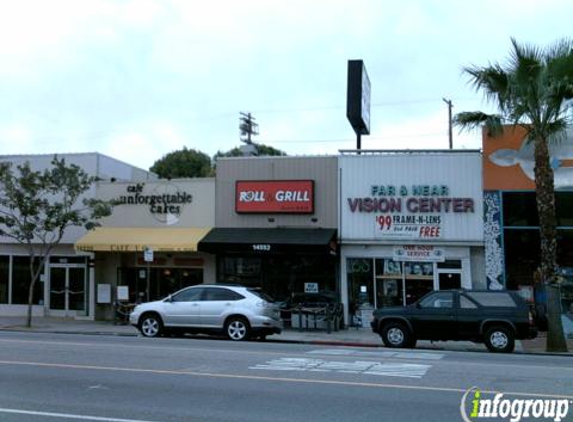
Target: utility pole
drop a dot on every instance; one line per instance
(248, 128)
(450, 106)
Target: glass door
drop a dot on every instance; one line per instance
(58, 288)
(68, 293)
(77, 289)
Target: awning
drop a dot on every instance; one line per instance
(124, 239)
(269, 241)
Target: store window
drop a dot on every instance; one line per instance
(281, 276)
(21, 282)
(418, 280)
(388, 283)
(383, 282)
(360, 273)
(241, 270)
(4, 278)
(162, 281)
(519, 209)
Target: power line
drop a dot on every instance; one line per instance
(342, 106)
(383, 138)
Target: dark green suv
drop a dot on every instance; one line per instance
(496, 318)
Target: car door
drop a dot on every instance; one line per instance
(217, 304)
(184, 308)
(470, 315)
(433, 317)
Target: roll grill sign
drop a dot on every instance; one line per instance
(279, 197)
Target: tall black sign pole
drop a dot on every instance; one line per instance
(358, 100)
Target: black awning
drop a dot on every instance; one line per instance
(269, 241)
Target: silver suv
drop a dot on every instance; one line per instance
(237, 311)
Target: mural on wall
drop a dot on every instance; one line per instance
(561, 151)
(494, 258)
(509, 165)
(509, 161)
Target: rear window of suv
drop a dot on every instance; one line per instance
(493, 299)
(258, 292)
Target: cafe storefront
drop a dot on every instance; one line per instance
(147, 248)
(410, 223)
(65, 287)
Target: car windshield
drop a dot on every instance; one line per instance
(265, 296)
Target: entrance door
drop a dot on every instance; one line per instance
(68, 293)
(448, 281)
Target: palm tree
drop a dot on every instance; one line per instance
(532, 90)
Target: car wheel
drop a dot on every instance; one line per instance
(151, 325)
(237, 329)
(397, 335)
(499, 340)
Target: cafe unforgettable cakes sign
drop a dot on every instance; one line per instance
(165, 200)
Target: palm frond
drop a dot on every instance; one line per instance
(562, 48)
(491, 79)
(469, 120)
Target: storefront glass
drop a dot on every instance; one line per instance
(21, 282)
(162, 281)
(418, 279)
(360, 288)
(4, 278)
(281, 276)
(381, 283)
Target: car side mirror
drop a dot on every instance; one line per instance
(418, 306)
(169, 298)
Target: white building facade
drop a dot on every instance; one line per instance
(410, 223)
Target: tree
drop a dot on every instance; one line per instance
(262, 150)
(532, 90)
(37, 207)
(183, 163)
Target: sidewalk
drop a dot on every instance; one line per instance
(362, 337)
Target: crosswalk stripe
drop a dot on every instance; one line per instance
(389, 369)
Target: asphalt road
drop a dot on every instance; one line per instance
(49, 377)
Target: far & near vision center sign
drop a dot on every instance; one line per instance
(410, 211)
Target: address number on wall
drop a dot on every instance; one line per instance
(262, 247)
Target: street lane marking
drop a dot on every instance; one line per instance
(289, 380)
(422, 355)
(406, 370)
(70, 416)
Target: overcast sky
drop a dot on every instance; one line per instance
(138, 79)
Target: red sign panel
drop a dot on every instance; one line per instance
(285, 196)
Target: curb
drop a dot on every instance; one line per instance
(278, 340)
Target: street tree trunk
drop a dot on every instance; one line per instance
(30, 302)
(545, 197)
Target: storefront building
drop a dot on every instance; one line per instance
(512, 244)
(410, 222)
(275, 224)
(147, 248)
(65, 288)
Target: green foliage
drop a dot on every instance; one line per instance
(36, 208)
(262, 150)
(183, 163)
(532, 90)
